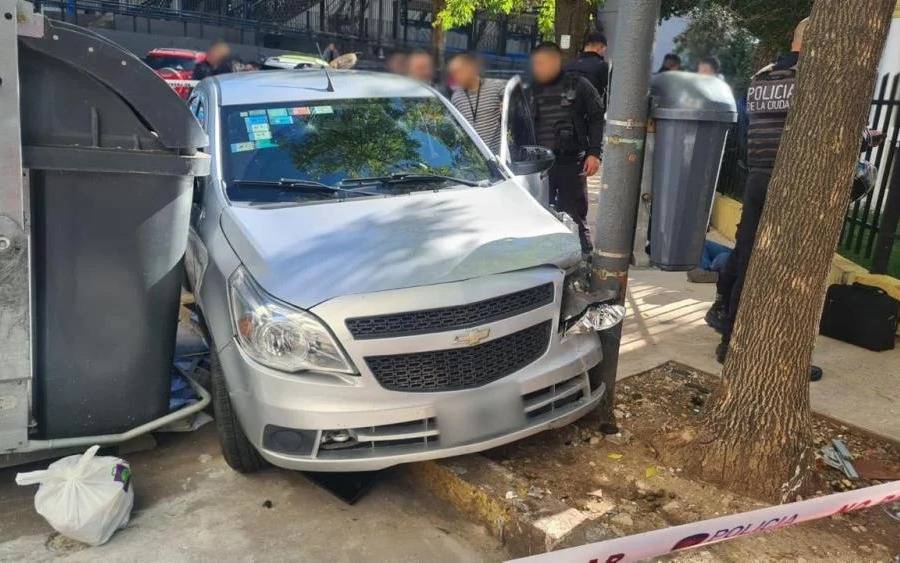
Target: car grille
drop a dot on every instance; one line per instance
(557, 398)
(451, 318)
(461, 368)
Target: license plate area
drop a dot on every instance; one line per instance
(480, 414)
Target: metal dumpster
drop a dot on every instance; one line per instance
(111, 154)
(693, 114)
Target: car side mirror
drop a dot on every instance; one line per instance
(531, 160)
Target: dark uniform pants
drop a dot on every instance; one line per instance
(568, 193)
(731, 279)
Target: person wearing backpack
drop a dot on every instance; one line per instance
(568, 119)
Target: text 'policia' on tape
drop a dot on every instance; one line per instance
(707, 532)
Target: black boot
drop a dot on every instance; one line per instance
(717, 316)
(721, 351)
(815, 373)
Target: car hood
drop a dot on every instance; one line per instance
(307, 254)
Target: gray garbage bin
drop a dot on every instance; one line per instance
(693, 114)
(112, 154)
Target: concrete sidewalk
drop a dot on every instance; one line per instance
(191, 507)
(665, 322)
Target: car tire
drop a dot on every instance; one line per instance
(237, 450)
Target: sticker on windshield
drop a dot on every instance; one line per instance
(261, 135)
(300, 111)
(321, 109)
(242, 147)
(254, 123)
(266, 144)
(258, 128)
(256, 112)
(277, 112)
(281, 120)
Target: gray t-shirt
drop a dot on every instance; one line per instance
(482, 109)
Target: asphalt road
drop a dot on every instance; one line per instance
(190, 506)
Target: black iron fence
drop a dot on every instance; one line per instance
(365, 25)
(870, 231)
(873, 219)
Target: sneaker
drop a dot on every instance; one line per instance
(702, 276)
(717, 316)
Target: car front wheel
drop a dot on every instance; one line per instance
(239, 453)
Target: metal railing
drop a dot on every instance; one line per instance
(874, 217)
(869, 235)
(505, 41)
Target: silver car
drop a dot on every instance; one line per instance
(377, 287)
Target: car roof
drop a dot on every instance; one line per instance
(272, 86)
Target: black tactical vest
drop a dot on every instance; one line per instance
(769, 100)
(553, 106)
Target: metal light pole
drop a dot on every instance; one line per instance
(620, 182)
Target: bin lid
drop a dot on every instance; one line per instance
(692, 97)
(66, 52)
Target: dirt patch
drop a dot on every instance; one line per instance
(623, 482)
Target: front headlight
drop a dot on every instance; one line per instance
(597, 317)
(278, 335)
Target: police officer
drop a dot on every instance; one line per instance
(591, 63)
(769, 100)
(568, 116)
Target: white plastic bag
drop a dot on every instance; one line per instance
(84, 497)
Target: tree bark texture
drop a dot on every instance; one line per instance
(758, 432)
(573, 17)
(437, 34)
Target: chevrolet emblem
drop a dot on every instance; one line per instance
(472, 337)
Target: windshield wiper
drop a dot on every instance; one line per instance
(293, 183)
(409, 177)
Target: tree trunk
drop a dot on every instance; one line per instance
(757, 436)
(573, 18)
(437, 33)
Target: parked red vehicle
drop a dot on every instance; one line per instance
(175, 65)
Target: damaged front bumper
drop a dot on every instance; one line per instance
(315, 423)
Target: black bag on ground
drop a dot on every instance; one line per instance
(860, 314)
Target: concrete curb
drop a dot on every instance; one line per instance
(489, 495)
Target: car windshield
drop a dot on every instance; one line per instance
(335, 150)
(158, 62)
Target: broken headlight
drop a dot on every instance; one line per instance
(278, 335)
(597, 317)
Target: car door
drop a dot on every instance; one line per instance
(517, 126)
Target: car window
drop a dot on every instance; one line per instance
(520, 125)
(344, 140)
(198, 108)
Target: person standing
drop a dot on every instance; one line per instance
(395, 63)
(330, 53)
(218, 61)
(670, 62)
(591, 63)
(478, 99)
(568, 119)
(420, 66)
(710, 66)
(769, 101)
